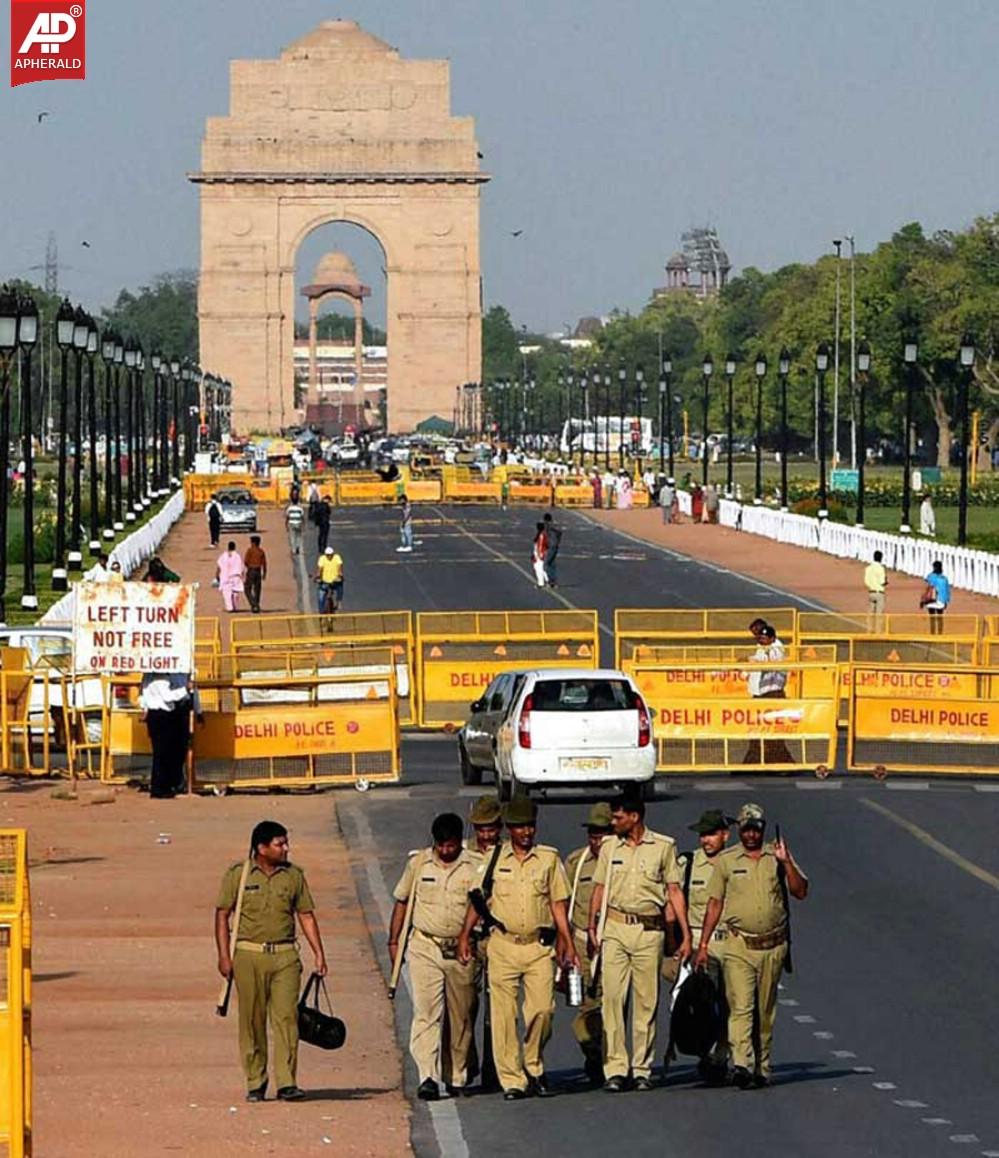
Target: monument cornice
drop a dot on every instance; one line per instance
(245, 178)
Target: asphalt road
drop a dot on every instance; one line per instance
(884, 1043)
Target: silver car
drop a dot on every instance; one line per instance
(239, 509)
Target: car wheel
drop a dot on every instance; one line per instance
(469, 773)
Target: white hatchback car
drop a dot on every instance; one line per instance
(569, 729)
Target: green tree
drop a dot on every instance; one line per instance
(163, 315)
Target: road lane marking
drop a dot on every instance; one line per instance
(931, 842)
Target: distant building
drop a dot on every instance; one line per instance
(335, 400)
(701, 268)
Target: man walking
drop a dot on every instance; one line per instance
(255, 562)
(405, 524)
(486, 820)
(294, 519)
(667, 499)
(637, 872)
(323, 513)
(167, 700)
(580, 866)
(767, 685)
(213, 513)
(528, 906)
(751, 882)
(269, 892)
(329, 580)
(553, 540)
(876, 580)
(437, 881)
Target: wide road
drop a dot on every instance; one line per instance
(885, 1035)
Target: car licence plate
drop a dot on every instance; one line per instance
(584, 764)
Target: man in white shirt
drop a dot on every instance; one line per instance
(767, 685)
(167, 700)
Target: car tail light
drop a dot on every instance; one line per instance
(644, 724)
(524, 723)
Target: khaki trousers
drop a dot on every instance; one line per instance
(588, 1024)
(438, 985)
(510, 966)
(876, 612)
(268, 984)
(751, 977)
(630, 961)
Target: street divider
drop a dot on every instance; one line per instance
(15, 1006)
(460, 652)
(657, 626)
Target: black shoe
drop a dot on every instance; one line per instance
(291, 1094)
(643, 1085)
(538, 1087)
(514, 1095)
(457, 1091)
(742, 1079)
(257, 1095)
(760, 1081)
(615, 1085)
(428, 1091)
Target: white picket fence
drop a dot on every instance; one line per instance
(131, 553)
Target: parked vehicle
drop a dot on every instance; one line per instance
(239, 509)
(559, 729)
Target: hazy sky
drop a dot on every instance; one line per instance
(608, 129)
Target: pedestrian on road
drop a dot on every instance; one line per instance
(437, 881)
(324, 512)
(539, 551)
(667, 499)
(751, 883)
(294, 519)
(229, 574)
(553, 540)
(580, 866)
(167, 700)
(927, 517)
(876, 580)
(767, 685)
(314, 499)
(266, 966)
(486, 819)
(329, 580)
(638, 871)
(213, 513)
(405, 524)
(598, 490)
(255, 561)
(936, 597)
(624, 495)
(710, 504)
(529, 904)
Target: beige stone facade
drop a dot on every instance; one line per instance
(340, 128)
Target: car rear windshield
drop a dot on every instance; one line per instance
(582, 695)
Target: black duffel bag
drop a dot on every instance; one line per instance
(314, 1026)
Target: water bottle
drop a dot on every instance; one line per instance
(574, 991)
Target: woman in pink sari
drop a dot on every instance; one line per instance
(229, 575)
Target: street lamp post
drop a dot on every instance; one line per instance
(707, 369)
(107, 356)
(622, 374)
(783, 369)
(822, 367)
(761, 373)
(9, 325)
(910, 354)
(730, 435)
(863, 369)
(159, 447)
(131, 357)
(639, 406)
(27, 336)
(94, 545)
(605, 406)
(175, 441)
(967, 361)
(65, 323)
(585, 403)
(119, 360)
(81, 333)
(142, 441)
(667, 382)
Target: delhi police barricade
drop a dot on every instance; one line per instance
(573, 491)
(15, 995)
(990, 643)
(925, 718)
(717, 717)
(653, 627)
(343, 631)
(461, 651)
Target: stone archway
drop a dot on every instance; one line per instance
(340, 128)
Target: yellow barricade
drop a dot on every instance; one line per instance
(424, 490)
(526, 491)
(712, 718)
(892, 637)
(726, 653)
(15, 996)
(199, 488)
(32, 719)
(936, 719)
(461, 651)
(574, 493)
(461, 491)
(990, 652)
(355, 493)
(652, 627)
(343, 631)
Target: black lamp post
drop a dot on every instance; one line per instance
(175, 441)
(622, 375)
(81, 333)
(559, 419)
(193, 414)
(27, 336)
(863, 370)
(141, 438)
(585, 403)
(605, 406)
(119, 499)
(783, 369)
(966, 358)
(639, 406)
(822, 367)
(94, 545)
(9, 319)
(729, 468)
(663, 388)
(761, 373)
(666, 395)
(707, 369)
(910, 356)
(65, 324)
(107, 356)
(159, 446)
(131, 357)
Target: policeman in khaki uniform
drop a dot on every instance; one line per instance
(486, 820)
(637, 870)
(528, 902)
(266, 967)
(580, 865)
(749, 882)
(441, 877)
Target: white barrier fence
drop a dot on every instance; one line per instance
(131, 553)
(969, 570)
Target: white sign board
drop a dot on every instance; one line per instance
(133, 627)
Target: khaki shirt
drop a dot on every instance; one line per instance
(875, 577)
(472, 845)
(701, 872)
(580, 915)
(441, 890)
(524, 890)
(269, 902)
(749, 887)
(641, 872)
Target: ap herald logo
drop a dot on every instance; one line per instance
(47, 41)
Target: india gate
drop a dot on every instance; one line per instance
(340, 128)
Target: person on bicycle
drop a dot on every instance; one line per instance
(329, 578)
